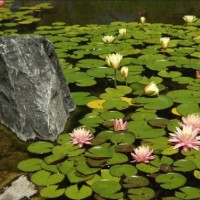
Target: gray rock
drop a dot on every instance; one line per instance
(19, 189)
(34, 97)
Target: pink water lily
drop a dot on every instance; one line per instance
(186, 138)
(142, 154)
(81, 136)
(119, 125)
(192, 120)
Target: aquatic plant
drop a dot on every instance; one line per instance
(142, 154)
(119, 125)
(103, 169)
(81, 136)
(186, 137)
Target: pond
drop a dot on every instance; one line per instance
(136, 87)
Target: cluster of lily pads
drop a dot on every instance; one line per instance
(129, 140)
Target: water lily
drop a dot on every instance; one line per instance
(124, 73)
(142, 154)
(108, 39)
(189, 18)
(81, 136)
(185, 137)
(142, 20)
(151, 89)
(197, 74)
(192, 120)
(119, 125)
(2, 3)
(122, 32)
(164, 42)
(114, 60)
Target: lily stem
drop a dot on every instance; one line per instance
(115, 71)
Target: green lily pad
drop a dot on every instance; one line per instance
(184, 165)
(188, 193)
(40, 147)
(135, 181)
(82, 98)
(90, 63)
(171, 74)
(159, 65)
(115, 103)
(45, 178)
(66, 166)
(108, 115)
(122, 138)
(30, 165)
(83, 168)
(52, 191)
(100, 72)
(147, 168)
(102, 187)
(74, 192)
(171, 180)
(142, 193)
(159, 103)
(99, 152)
(117, 158)
(120, 170)
(188, 108)
(142, 130)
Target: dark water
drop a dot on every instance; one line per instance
(84, 12)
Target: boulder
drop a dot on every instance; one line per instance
(35, 99)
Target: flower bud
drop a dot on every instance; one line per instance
(151, 89)
(124, 71)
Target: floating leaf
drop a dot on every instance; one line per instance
(148, 168)
(73, 192)
(102, 187)
(171, 180)
(184, 165)
(30, 165)
(52, 191)
(135, 181)
(44, 178)
(188, 193)
(120, 170)
(40, 147)
(142, 193)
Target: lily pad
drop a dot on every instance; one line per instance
(120, 170)
(30, 165)
(45, 178)
(102, 187)
(188, 193)
(74, 192)
(52, 191)
(143, 193)
(171, 180)
(40, 147)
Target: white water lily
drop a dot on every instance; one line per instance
(165, 42)
(113, 60)
(189, 18)
(122, 32)
(151, 89)
(108, 39)
(124, 71)
(142, 20)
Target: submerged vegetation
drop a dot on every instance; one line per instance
(138, 137)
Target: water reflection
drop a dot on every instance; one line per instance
(103, 11)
